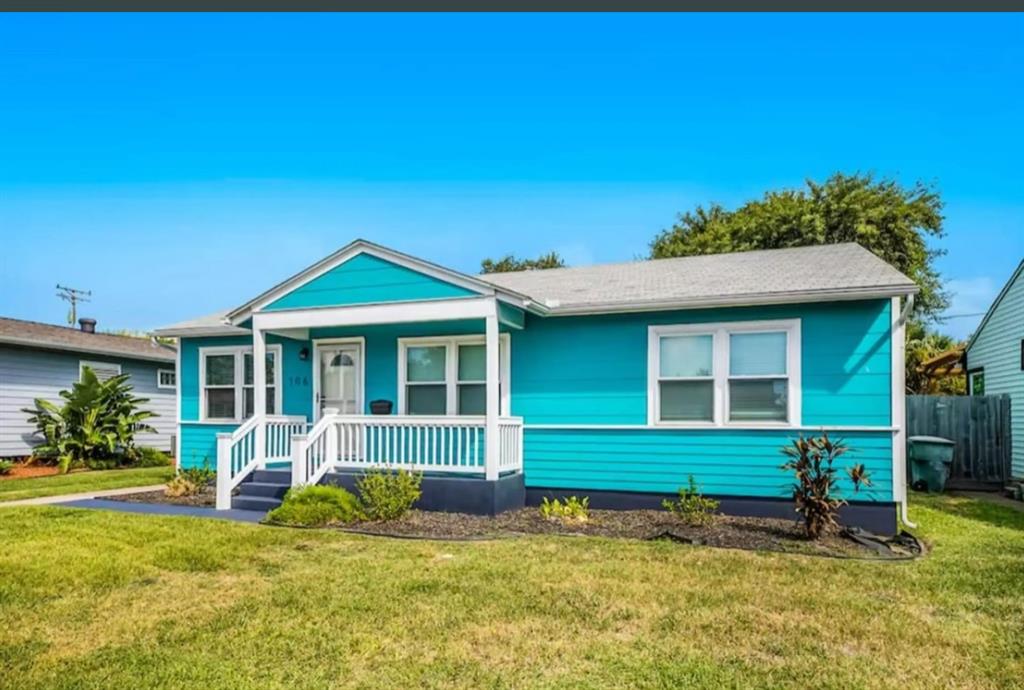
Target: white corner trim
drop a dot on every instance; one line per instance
(898, 402)
(237, 351)
(451, 345)
(720, 332)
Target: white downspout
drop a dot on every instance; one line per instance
(900, 404)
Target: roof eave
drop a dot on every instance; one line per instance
(837, 295)
(200, 331)
(64, 347)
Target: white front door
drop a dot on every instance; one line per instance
(340, 383)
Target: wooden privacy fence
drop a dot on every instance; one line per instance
(980, 427)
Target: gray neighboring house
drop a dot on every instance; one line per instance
(39, 360)
(995, 358)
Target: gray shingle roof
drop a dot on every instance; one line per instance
(758, 276)
(210, 324)
(47, 336)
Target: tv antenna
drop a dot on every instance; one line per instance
(74, 296)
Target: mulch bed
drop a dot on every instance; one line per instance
(751, 534)
(726, 531)
(206, 499)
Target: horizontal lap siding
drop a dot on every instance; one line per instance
(736, 463)
(593, 371)
(997, 350)
(199, 443)
(365, 279)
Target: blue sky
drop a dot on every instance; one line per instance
(177, 165)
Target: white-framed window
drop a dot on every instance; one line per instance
(447, 375)
(976, 382)
(165, 378)
(745, 373)
(103, 370)
(226, 380)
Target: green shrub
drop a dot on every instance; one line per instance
(202, 475)
(816, 490)
(388, 494)
(6, 466)
(96, 425)
(151, 457)
(571, 509)
(316, 506)
(692, 507)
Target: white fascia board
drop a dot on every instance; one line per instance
(363, 247)
(201, 331)
(371, 314)
(741, 301)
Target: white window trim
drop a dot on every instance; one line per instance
(238, 351)
(159, 381)
(970, 380)
(720, 357)
(451, 371)
(93, 364)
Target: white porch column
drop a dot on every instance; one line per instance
(493, 411)
(259, 391)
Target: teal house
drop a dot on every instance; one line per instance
(615, 381)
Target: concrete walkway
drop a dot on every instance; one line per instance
(64, 498)
(166, 509)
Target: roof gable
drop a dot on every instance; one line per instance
(365, 278)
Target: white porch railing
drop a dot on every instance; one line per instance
(422, 444)
(238, 452)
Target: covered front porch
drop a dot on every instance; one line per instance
(434, 372)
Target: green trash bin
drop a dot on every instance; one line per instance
(930, 460)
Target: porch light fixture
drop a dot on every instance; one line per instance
(304, 354)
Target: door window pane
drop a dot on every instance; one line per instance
(687, 401)
(429, 400)
(472, 398)
(758, 400)
(220, 403)
(757, 354)
(425, 363)
(472, 363)
(220, 370)
(686, 355)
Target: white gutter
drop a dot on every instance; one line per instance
(900, 324)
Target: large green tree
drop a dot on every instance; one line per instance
(509, 263)
(891, 220)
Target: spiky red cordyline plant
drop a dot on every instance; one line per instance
(816, 490)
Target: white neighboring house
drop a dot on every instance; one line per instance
(39, 360)
(995, 358)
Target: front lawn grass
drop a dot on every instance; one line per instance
(77, 482)
(104, 599)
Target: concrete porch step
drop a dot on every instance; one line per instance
(265, 489)
(283, 477)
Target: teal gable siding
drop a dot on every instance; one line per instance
(364, 279)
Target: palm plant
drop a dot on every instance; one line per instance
(95, 426)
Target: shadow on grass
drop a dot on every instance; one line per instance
(973, 508)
